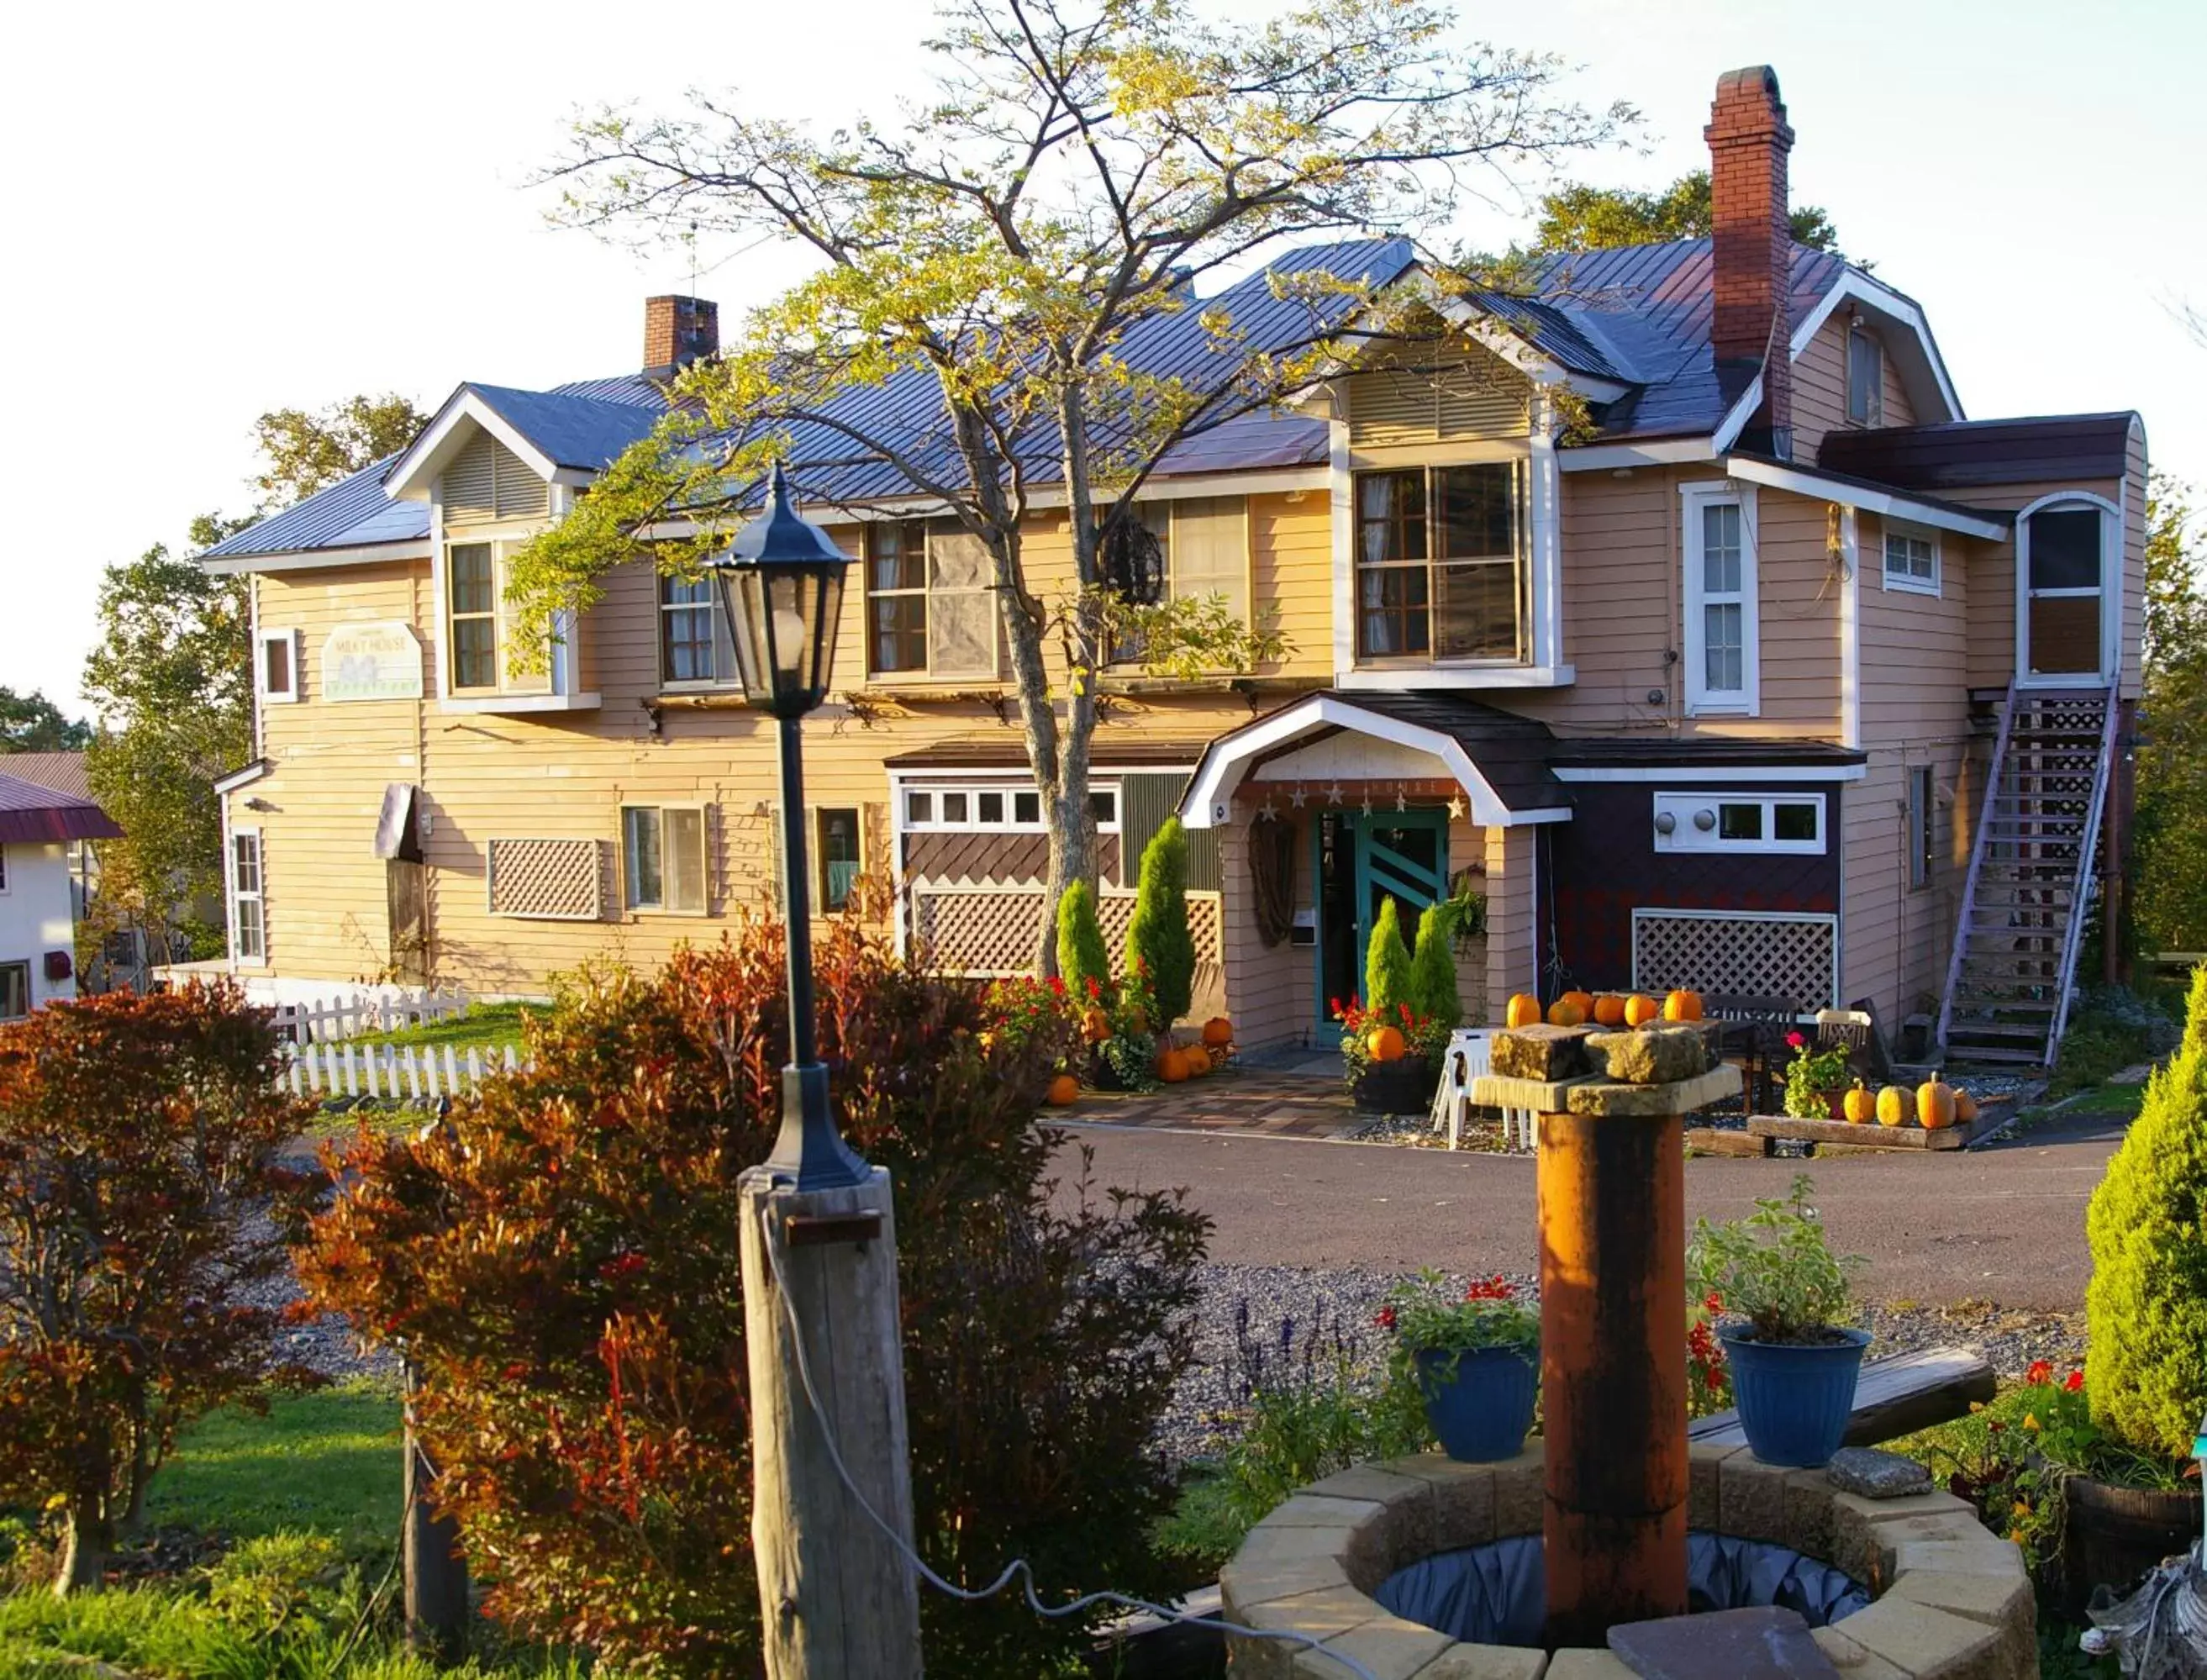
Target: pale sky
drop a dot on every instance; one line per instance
(224, 208)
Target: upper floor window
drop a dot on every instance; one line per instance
(479, 635)
(692, 638)
(930, 611)
(1437, 562)
(1911, 561)
(1202, 542)
(1865, 378)
(279, 665)
(1722, 671)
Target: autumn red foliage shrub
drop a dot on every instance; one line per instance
(560, 1263)
(141, 1195)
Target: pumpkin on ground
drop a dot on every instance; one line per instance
(1095, 1024)
(1965, 1106)
(1564, 1012)
(1609, 1010)
(1894, 1106)
(1524, 1010)
(1172, 1065)
(1859, 1105)
(1385, 1044)
(1683, 1006)
(1934, 1104)
(1640, 1009)
(1217, 1030)
(1199, 1060)
(1064, 1092)
(1582, 1001)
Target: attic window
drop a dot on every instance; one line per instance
(487, 480)
(1865, 378)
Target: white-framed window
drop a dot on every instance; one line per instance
(693, 637)
(14, 990)
(1911, 560)
(1739, 821)
(1723, 670)
(931, 611)
(1007, 806)
(1865, 378)
(479, 637)
(1923, 826)
(248, 903)
(663, 859)
(278, 667)
(1440, 563)
(838, 856)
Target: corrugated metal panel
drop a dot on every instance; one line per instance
(1144, 802)
(354, 512)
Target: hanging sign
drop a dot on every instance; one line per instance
(373, 662)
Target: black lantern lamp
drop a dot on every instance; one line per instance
(781, 586)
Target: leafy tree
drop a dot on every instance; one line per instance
(1082, 955)
(1074, 173)
(1433, 968)
(32, 723)
(1159, 937)
(1576, 216)
(1387, 977)
(141, 1140)
(2169, 841)
(303, 452)
(559, 1264)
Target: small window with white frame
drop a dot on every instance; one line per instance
(1012, 808)
(1911, 560)
(1722, 659)
(248, 902)
(663, 866)
(14, 990)
(279, 666)
(1740, 822)
(1865, 378)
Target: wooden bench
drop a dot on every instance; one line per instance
(1893, 1396)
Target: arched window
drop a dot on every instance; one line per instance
(2063, 560)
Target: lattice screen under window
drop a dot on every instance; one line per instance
(993, 932)
(551, 880)
(1772, 955)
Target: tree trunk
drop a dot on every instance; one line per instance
(1065, 795)
(85, 1548)
(141, 1472)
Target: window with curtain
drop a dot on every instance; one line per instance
(688, 615)
(929, 609)
(1439, 563)
(663, 859)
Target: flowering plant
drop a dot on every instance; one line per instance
(1427, 1317)
(1709, 1373)
(1022, 1009)
(1130, 1050)
(1811, 1076)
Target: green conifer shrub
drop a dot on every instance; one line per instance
(2145, 1309)
(1433, 969)
(1082, 954)
(1388, 979)
(1158, 937)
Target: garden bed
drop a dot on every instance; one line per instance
(1822, 1135)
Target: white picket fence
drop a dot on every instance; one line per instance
(405, 1073)
(331, 1022)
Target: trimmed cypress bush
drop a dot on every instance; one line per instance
(1388, 979)
(1433, 969)
(1158, 937)
(1081, 954)
(2145, 1309)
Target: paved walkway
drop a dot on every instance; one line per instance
(1298, 1096)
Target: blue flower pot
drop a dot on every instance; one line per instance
(1482, 1410)
(1794, 1401)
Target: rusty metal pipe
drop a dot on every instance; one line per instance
(1612, 1205)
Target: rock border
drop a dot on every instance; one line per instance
(1951, 1600)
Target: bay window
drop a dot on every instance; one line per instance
(1439, 571)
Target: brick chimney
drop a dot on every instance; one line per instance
(676, 331)
(1753, 261)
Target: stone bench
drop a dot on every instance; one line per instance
(1951, 1599)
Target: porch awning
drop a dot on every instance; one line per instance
(1500, 760)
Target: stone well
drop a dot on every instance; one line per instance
(1951, 1601)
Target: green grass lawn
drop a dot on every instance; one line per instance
(492, 1025)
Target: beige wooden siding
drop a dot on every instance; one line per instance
(1512, 942)
(1992, 575)
(1915, 648)
(1820, 387)
(1897, 940)
(1269, 988)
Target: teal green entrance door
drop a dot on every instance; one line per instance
(1362, 862)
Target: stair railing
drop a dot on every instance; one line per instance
(2088, 847)
(1995, 776)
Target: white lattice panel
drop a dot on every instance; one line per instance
(551, 880)
(1772, 955)
(993, 932)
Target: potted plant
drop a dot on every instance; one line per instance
(1475, 1358)
(1793, 1357)
(1392, 1058)
(1815, 1080)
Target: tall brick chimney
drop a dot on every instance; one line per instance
(1749, 141)
(676, 331)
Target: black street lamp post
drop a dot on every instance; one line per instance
(781, 588)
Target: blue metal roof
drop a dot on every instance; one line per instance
(571, 430)
(352, 513)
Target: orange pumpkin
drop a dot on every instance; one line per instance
(1172, 1065)
(1524, 1011)
(1965, 1106)
(1609, 1010)
(1217, 1031)
(1064, 1092)
(1640, 1010)
(1095, 1024)
(1199, 1060)
(1583, 1001)
(1683, 1006)
(1894, 1106)
(1385, 1044)
(1934, 1104)
(1859, 1105)
(1565, 1012)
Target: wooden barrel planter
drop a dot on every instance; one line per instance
(2113, 1535)
(1402, 1086)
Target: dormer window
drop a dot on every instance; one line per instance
(1865, 378)
(1439, 563)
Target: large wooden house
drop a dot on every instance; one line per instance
(1768, 672)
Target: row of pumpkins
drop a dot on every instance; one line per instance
(1175, 1062)
(1608, 1009)
(1935, 1102)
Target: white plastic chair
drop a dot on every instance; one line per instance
(1467, 1058)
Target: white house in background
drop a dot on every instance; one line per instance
(41, 829)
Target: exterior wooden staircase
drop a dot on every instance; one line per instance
(2030, 884)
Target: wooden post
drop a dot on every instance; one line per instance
(1612, 1198)
(429, 1550)
(836, 1597)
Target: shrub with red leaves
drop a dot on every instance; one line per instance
(560, 1263)
(140, 1143)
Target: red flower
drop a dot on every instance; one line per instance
(622, 1265)
(1496, 1287)
(1057, 985)
(1404, 1010)
(1094, 989)
(1387, 1319)
(2041, 1371)
(1334, 1004)
(1715, 1302)
(1716, 1378)
(1795, 1041)
(2074, 1382)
